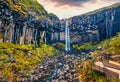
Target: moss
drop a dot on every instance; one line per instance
(85, 46)
(86, 74)
(26, 58)
(26, 5)
(110, 47)
(1, 35)
(53, 15)
(59, 45)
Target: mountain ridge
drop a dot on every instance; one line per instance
(115, 5)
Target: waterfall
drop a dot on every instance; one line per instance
(67, 38)
(45, 39)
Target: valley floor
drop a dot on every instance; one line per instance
(60, 68)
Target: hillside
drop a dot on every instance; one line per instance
(22, 61)
(23, 6)
(109, 48)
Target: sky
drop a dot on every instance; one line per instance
(70, 8)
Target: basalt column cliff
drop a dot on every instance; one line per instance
(25, 22)
(97, 25)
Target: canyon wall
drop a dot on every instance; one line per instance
(25, 26)
(97, 25)
(27, 22)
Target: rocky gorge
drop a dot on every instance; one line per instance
(30, 25)
(27, 22)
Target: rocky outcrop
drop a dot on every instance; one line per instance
(24, 26)
(99, 25)
(54, 33)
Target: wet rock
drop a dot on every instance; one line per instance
(75, 80)
(6, 53)
(1, 77)
(29, 80)
(36, 78)
(4, 81)
(41, 67)
(59, 68)
(2, 59)
(66, 66)
(59, 64)
(22, 80)
(39, 76)
(99, 48)
(36, 71)
(12, 60)
(25, 80)
(29, 54)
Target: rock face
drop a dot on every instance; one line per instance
(54, 33)
(23, 25)
(97, 25)
(27, 22)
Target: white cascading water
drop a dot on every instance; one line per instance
(67, 37)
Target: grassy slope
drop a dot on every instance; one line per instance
(26, 6)
(109, 46)
(26, 59)
(86, 74)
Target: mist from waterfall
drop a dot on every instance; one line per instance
(67, 37)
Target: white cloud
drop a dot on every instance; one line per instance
(66, 11)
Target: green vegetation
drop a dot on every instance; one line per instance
(53, 15)
(1, 35)
(25, 59)
(22, 6)
(86, 74)
(82, 46)
(109, 47)
(59, 45)
(85, 46)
